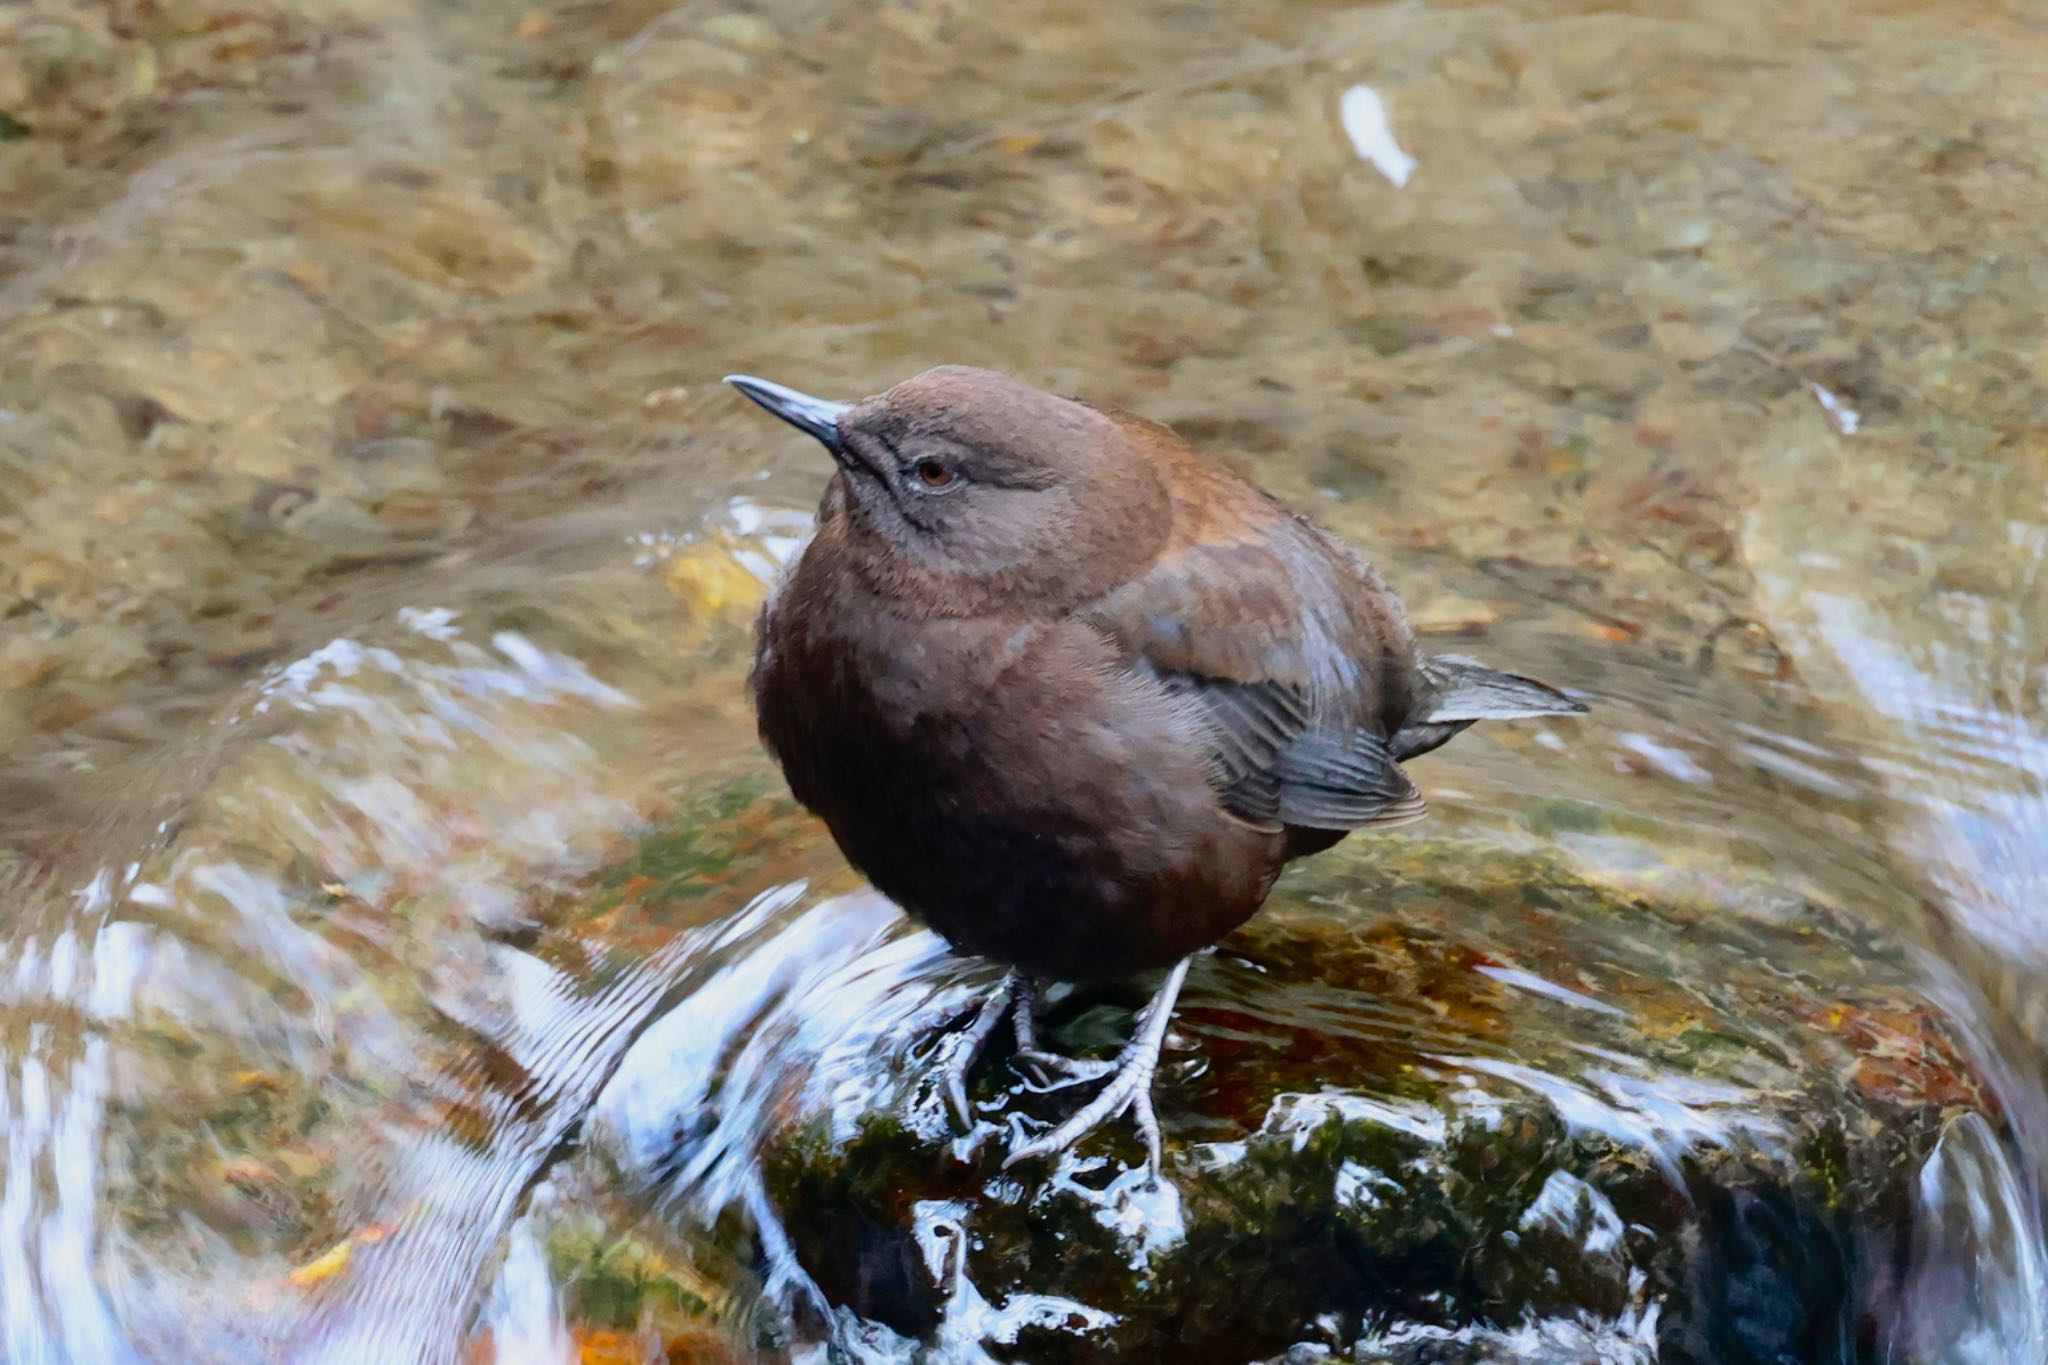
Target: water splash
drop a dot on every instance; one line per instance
(1977, 1293)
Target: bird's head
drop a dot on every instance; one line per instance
(962, 490)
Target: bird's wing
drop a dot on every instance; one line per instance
(1261, 635)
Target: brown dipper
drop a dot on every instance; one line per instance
(1072, 693)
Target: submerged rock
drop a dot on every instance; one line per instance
(1511, 1113)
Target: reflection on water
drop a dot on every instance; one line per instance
(409, 954)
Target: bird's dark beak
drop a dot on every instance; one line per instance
(817, 416)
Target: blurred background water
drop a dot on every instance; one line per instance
(408, 953)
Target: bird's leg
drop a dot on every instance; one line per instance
(968, 1048)
(1130, 1085)
(1046, 1068)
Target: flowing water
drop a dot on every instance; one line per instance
(410, 956)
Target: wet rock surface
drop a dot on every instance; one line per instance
(1492, 1109)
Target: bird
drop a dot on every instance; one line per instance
(1072, 693)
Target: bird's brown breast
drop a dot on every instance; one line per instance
(1009, 781)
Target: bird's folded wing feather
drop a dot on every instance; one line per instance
(1234, 627)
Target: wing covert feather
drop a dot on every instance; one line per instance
(1265, 634)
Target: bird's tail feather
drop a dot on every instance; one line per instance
(1468, 690)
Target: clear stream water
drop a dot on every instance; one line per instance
(377, 550)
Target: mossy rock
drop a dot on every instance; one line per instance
(1400, 1137)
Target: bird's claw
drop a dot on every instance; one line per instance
(1016, 997)
(1130, 1075)
(1129, 1087)
(969, 1045)
(1050, 1070)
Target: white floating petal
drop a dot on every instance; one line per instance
(1364, 116)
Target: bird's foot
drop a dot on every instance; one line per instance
(1129, 1088)
(969, 1046)
(1016, 996)
(1042, 1068)
(1051, 1071)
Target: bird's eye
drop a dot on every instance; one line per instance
(932, 474)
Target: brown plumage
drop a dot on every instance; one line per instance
(1072, 693)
